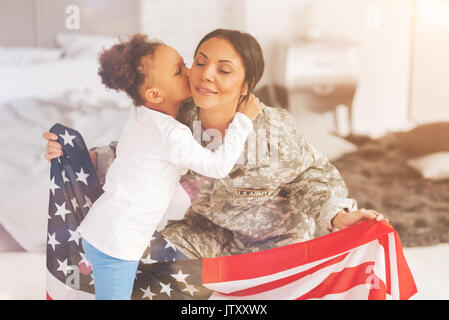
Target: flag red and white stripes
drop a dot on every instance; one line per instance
(365, 261)
(362, 262)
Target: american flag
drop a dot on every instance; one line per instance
(364, 261)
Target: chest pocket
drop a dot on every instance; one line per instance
(246, 189)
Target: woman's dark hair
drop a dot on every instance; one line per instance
(249, 50)
(120, 65)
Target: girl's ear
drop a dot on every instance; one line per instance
(153, 96)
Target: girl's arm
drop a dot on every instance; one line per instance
(182, 149)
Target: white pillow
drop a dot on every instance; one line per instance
(27, 55)
(434, 166)
(80, 45)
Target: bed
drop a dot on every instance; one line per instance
(42, 86)
(39, 88)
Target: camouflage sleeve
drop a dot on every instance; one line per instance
(319, 190)
(105, 156)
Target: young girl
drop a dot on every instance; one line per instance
(153, 152)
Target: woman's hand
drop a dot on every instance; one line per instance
(251, 108)
(54, 149)
(345, 219)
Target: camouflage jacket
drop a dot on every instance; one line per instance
(280, 191)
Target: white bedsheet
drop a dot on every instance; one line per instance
(52, 78)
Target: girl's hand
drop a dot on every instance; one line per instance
(54, 149)
(251, 108)
(345, 219)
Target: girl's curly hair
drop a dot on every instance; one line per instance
(119, 65)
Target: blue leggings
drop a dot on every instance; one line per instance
(113, 278)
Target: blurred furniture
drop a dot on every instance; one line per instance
(321, 74)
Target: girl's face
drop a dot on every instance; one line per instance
(217, 74)
(168, 74)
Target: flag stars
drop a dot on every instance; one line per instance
(147, 293)
(61, 211)
(82, 176)
(52, 240)
(63, 267)
(53, 186)
(166, 288)
(180, 277)
(75, 236)
(190, 289)
(169, 245)
(68, 139)
(148, 260)
(70, 175)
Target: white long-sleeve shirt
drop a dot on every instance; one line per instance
(153, 152)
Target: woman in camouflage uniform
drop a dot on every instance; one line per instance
(281, 191)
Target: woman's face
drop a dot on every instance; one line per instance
(217, 74)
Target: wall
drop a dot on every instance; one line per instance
(269, 23)
(36, 22)
(182, 24)
(430, 94)
(381, 27)
(18, 17)
(382, 102)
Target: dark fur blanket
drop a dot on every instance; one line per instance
(378, 178)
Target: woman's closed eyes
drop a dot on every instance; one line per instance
(221, 70)
(224, 71)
